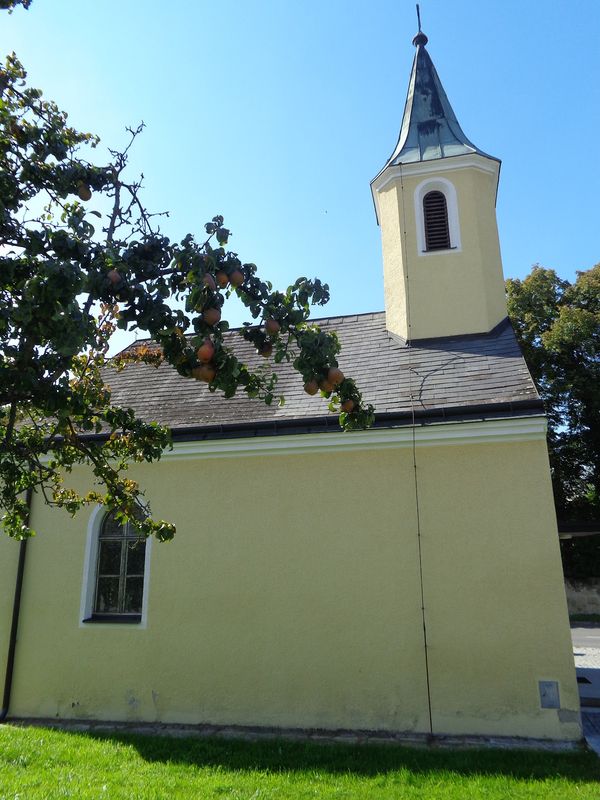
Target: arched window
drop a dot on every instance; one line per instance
(435, 218)
(115, 572)
(120, 570)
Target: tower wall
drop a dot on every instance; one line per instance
(448, 292)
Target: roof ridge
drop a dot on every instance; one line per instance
(149, 341)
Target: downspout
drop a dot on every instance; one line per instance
(12, 642)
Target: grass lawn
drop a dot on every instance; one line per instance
(41, 763)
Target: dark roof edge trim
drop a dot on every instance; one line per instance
(329, 423)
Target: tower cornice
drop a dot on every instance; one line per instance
(390, 174)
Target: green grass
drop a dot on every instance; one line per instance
(49, 764)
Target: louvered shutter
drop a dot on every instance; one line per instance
(435, 214)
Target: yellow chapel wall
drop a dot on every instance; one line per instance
(495, 604)
(263, 611)
(451, 292)
(291, 597)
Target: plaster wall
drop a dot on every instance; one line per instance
(291, 596)
(451, 292)
(496, 610)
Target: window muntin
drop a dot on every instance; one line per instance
(120, 563)
(435, 218)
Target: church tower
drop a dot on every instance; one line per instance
(435, 201)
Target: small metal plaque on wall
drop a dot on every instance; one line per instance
(549, 697)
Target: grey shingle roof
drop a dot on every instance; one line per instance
(479, 375)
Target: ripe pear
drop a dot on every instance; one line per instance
(211, 316)
(272, 327)
(83, 190)
(335, 376)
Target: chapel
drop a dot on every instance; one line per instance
(405, 579)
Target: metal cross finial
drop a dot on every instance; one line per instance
(420, 38)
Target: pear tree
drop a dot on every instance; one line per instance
(81, 257)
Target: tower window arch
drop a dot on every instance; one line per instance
(435, 220)
(436, 217)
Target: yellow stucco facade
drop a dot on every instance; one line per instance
(291, 595)
(447, 292)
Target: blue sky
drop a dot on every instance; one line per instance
(277, 114)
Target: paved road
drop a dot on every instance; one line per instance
(586, 649)
(586, 637)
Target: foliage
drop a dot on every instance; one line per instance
(11, 4)
(80, 256)
(558, 326)
(584, 618)
(42, 764)
(581, 557)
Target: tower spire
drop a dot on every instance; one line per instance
(430, 129)
(435, 204)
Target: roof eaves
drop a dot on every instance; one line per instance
(329, 423)
(392, 419)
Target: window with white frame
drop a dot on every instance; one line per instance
(116, 570)
(436, 213)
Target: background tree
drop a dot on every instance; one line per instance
(80, 256)
(10, 4)
(558, 327)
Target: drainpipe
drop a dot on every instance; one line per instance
(12, 642)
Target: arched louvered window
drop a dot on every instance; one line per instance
(435, 216)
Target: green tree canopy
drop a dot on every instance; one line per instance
(11, 4)
(558, 327)
(80, 256)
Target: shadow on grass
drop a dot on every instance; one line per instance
(364, 760)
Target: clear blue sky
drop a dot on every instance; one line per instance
(277, 114)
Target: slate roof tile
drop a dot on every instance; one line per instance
(448, 375)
